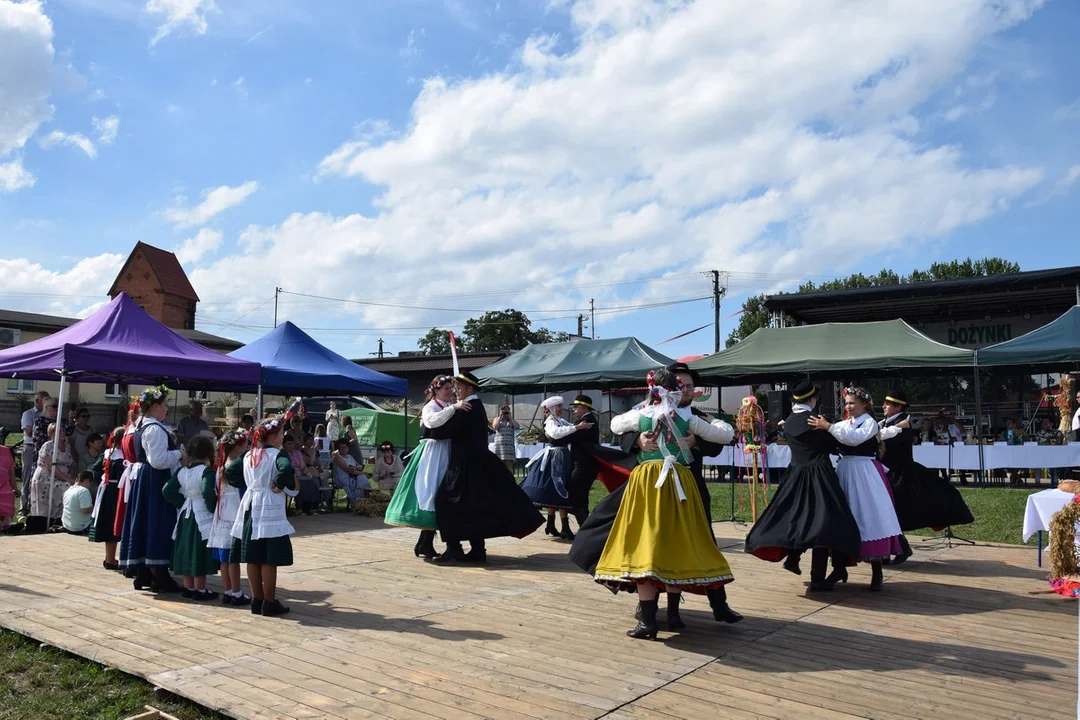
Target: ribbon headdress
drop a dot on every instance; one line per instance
(664, 404)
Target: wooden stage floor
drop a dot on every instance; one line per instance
(965, 632)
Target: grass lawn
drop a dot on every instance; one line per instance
(998, 511)
(50, 683)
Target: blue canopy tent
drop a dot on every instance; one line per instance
(293, 363)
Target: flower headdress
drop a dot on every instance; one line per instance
(857, 392)
(262, 431)
(438, 382)
(225, 446)
(153, 395)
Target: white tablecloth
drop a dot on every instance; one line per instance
(1041, 507)
(524, 452)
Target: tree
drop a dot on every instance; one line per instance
(755, 315)
(543, 335)
(436, 342)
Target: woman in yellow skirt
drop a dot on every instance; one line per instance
(661, 536)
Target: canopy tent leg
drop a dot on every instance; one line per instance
(258, 405)
(978, 422)
(405, 415)
(56, 445)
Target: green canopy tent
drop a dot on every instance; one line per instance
(885, 348)
(617, 362)
(1052, 348)
(375, 426)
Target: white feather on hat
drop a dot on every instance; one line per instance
(552, 402)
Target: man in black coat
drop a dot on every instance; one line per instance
(582, 446)
(478, 497)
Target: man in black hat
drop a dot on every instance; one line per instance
(898, 454)
(585, 467)
(478, 497)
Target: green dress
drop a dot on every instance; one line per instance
(272, 550)
(190, 555)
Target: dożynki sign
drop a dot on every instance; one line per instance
(981, 333)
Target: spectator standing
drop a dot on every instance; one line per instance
(78, 506)
(95, 446)
(191, 424)
(39, 492)
(42, 423)
(333, 422)
(29, 457)
(248, 423)
(80, 433)
(504, 426)
(7, 487)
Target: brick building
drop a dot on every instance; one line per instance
(155, 280)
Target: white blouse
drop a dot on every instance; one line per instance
(435, 414)
(557, 428)
(855, 431)
(155, 443)
(717, 431)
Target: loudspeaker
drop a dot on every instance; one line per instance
(779, 405)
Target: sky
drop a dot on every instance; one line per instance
(429, 160)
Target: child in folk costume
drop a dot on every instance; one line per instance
(413, 503)
(266, 473)
(547, 476)
(866, 486)
(224, 548)
(126, 443)
(660, 538)
(192, 490)
(108, 468)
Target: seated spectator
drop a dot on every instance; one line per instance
(308, 497)
(1047, 434)
(348, 475)
(248, 422)
(7, 487)
(95, 445)
(313, 467)
(78, 505)
(388, 467)
(45, 475)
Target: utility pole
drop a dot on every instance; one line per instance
(581, 325)
(277, 291)
(592, 319)
(380, 353)
(718, 293)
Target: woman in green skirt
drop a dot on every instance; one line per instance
(192, 490)
(413, 504)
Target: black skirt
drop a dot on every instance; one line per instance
(101, 530)
(809, 510)
(480, 499)
(926, 500)
(593, 534)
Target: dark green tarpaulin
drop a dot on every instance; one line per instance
(1052, 347)
(850, 349)
(375, 426)
(574, 364)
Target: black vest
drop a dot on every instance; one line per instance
(807, 444)
(868, 448)
(898, 451)
(582, 442)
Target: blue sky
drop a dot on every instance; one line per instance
(489, 154)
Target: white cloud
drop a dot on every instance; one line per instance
(215, 201)
(194, 248)
(764, 136)
(98, 94)
(76, 140)
(26, 81)
(1071, 176)
(13, 176)
(61, 292)
(1068, 112)
(238, 85)
(106, 129)
(180, 14)
(409, 51)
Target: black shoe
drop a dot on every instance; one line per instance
(256, 606)
(168, 585)
(189, 594)
(674, 619)
(905, 553)
(205, 594)
(550, 529)
(721, 611)
(820, 586)
(566, 534)
(143, 578)
(425, 545)
(450, 556)
(274, 608)
(791, 564)
(109, 566)
(476, 556)
(242, 601)
(877, 579)
(226, 599)
(646, 628)
(837, 575)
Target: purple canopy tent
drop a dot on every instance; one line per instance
(120, 343)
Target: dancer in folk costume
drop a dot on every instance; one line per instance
(192, 490)
(923, 498)
(146, 547)
(109, 468)
(266, 474)
(126, 444)
(547, 474)
(478, 497)
(583, 444)
(615, 467)
(865, 484)
(661, 536)
(810, 510)
(224, 548)
(413, 503)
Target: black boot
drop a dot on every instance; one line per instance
(674, 620)
(454, 553)
(581, 515)
(819, 563)
(646, 628)
(839, 572)
(720, 609)
(163, 582)
(877, 579)
(791, 563)
(477, 551)
(550, 529)
(143, 578)
(905, 552)
(566, 534)
(425, 546)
